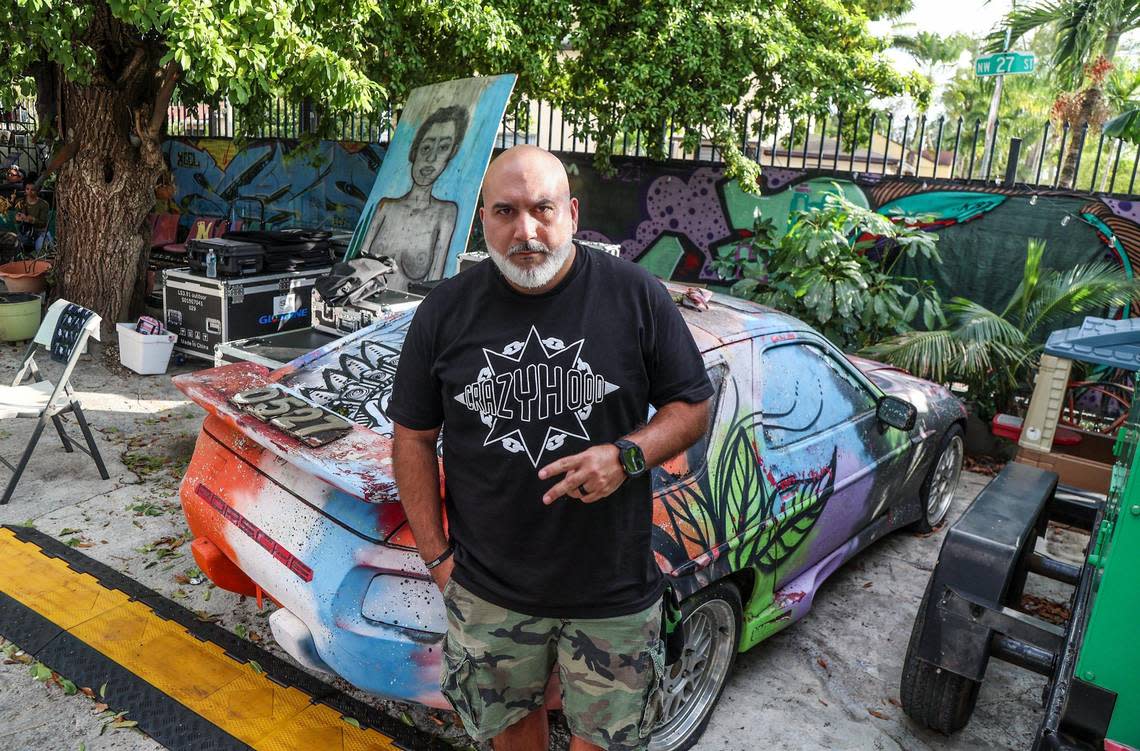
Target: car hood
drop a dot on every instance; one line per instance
(926, 395)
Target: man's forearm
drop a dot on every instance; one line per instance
(417, 475)
(674, 428)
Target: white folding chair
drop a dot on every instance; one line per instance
(63, 332)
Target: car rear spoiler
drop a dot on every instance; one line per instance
(358, 463)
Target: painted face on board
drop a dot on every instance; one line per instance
(435, 150)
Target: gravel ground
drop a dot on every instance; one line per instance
(830, 681)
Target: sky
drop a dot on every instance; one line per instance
(973, 17)
(968, 16)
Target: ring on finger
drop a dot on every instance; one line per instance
(582, 490)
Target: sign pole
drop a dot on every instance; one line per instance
(995, 102)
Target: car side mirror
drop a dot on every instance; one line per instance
(896, 413)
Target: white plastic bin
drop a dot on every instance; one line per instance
(146, 354)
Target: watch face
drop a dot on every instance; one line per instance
(632, 460)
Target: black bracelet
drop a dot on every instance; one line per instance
(442, 557)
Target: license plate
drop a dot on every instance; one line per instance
(311, 425)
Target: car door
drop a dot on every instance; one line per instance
(825, 448)
(709, 508)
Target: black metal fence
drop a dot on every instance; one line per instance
(875, 143)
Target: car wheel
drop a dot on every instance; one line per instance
(933, 697)
(942, 481)
(693, 684)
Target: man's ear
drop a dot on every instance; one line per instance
(574, 212)
(481, 210)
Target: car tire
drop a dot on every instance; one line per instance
(937, 491)
(933, 697)
(691, 687)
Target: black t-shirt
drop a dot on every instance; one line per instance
(518, 381)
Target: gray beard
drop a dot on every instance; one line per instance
(538, 275)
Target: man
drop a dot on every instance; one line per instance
(537, 363)
(33, 217)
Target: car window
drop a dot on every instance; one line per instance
(692, 462)
(806, 391)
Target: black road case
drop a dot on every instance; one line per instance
(233, 257)
(206, 312)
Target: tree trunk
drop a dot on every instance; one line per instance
(1090, 98)
(104, 195)
(106, 188)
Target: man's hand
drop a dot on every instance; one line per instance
(442, 572)
(589, 476)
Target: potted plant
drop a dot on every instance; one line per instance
(29, 270)
(19, 316)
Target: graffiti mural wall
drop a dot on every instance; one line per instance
(321, 186)
(672, 217)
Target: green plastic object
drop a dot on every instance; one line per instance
(1108, 655)
(19, 316)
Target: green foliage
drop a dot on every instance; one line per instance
(833, 269)
(992, 352)
(1078, 30)
(933, 50)
(240, 49)
(646, 67)
(634, 68)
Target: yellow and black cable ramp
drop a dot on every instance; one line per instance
(188, 683)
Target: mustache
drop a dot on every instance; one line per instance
(531, 246)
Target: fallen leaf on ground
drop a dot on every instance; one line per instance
(822, 663)
(1047, 610)
(894, 701)
(867, 584)
(100, 707)
(877, 713)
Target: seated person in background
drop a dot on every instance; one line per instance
(32, 217)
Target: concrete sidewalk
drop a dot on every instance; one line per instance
(830, 681)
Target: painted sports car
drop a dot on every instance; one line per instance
(290, 493)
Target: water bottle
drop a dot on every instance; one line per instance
(211, 263)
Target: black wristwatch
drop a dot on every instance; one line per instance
(631, 458)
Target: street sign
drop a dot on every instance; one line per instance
(1005, 64)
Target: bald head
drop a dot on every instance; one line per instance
(527, 165)
(527, 204)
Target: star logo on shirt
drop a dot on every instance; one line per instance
(535, 394)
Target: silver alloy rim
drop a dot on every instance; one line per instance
(944, 482)
(692, 684)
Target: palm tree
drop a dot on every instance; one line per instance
(933, 50)
(991, 352)
(1086, 31)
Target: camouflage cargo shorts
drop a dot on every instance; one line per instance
(496, 664)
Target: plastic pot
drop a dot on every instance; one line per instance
(19, 316)
(25, 276)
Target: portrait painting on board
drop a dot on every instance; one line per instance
(421, 207)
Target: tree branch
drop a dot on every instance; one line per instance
(65, 152)
(132, 67)
(170, 75)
